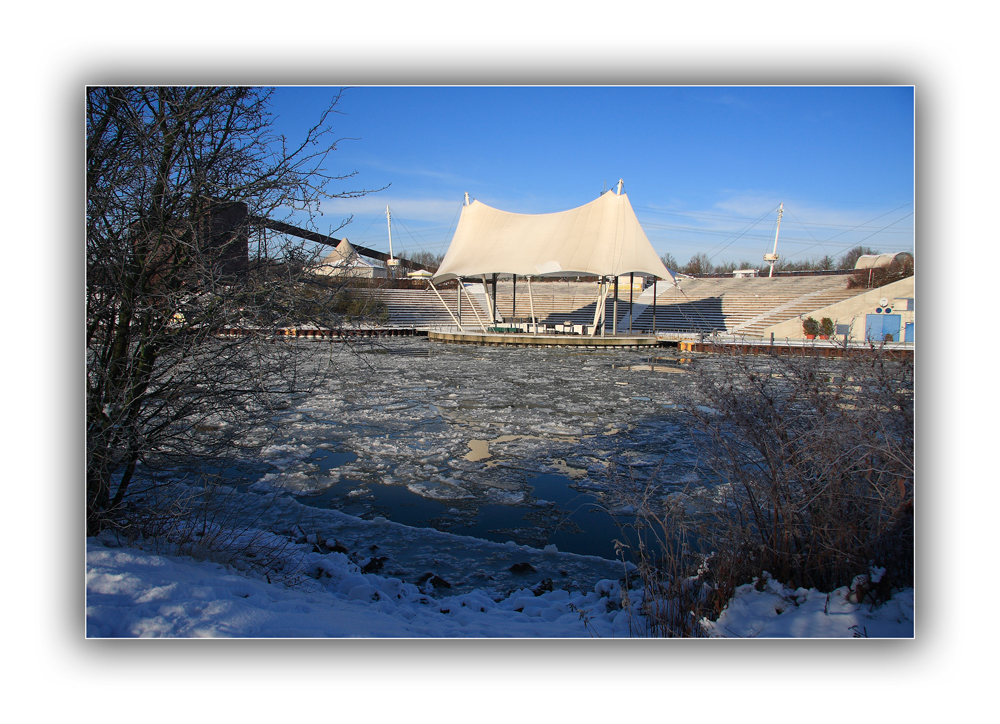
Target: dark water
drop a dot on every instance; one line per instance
(575, 523)
(327, 460)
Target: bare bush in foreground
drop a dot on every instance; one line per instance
(816, 461)
(662, 542)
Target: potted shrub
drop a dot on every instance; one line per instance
(810, 327)
(825, 328)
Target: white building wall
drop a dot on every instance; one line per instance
(852, 312)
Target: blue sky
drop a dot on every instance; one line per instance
(704, 167)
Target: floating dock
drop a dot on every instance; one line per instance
(516, 339)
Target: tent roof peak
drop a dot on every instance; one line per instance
(602, 237)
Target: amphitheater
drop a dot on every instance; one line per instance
(603, 240)
(744, 307)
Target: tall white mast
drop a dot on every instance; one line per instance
(391, 262)
(388, 220)
(773, 256)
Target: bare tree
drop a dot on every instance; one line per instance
(182, 361)
(826, 263)
(428, 259)
(699, 264)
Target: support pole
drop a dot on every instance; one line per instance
(604, 305)
(446, 307)
(631, 290)
(513, 311)
(654, 305)
(599, 308)
(474, 310)
(614, 321)
(531, 299)
(489, 306)
(496, 312)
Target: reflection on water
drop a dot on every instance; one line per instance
(478, 450)
(656, 364)
(395, 502)
(572, 520)
(327, 460)
(555, 514)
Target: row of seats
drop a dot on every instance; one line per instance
(421, 308)
(741, 306)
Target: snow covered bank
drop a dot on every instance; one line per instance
(780, 612)
(133, 593)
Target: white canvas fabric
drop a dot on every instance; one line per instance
(881, 261)
(344, 251)
(600, 238)
(344, 260)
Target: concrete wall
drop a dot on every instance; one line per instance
(852, 312)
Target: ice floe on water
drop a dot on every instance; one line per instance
(395, 434)
(557, 429)
(444, 490)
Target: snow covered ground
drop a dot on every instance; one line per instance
(133, 593)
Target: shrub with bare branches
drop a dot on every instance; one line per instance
(664, 543)
(816, 462)
(813, 461)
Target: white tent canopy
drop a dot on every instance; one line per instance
(345, 260)
(882, 261)
(343, 252)
(600, 238)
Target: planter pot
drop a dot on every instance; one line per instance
(810, 336)
(824, 336)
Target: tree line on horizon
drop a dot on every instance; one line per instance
(701, 263)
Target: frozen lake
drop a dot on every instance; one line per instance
(505, 444)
